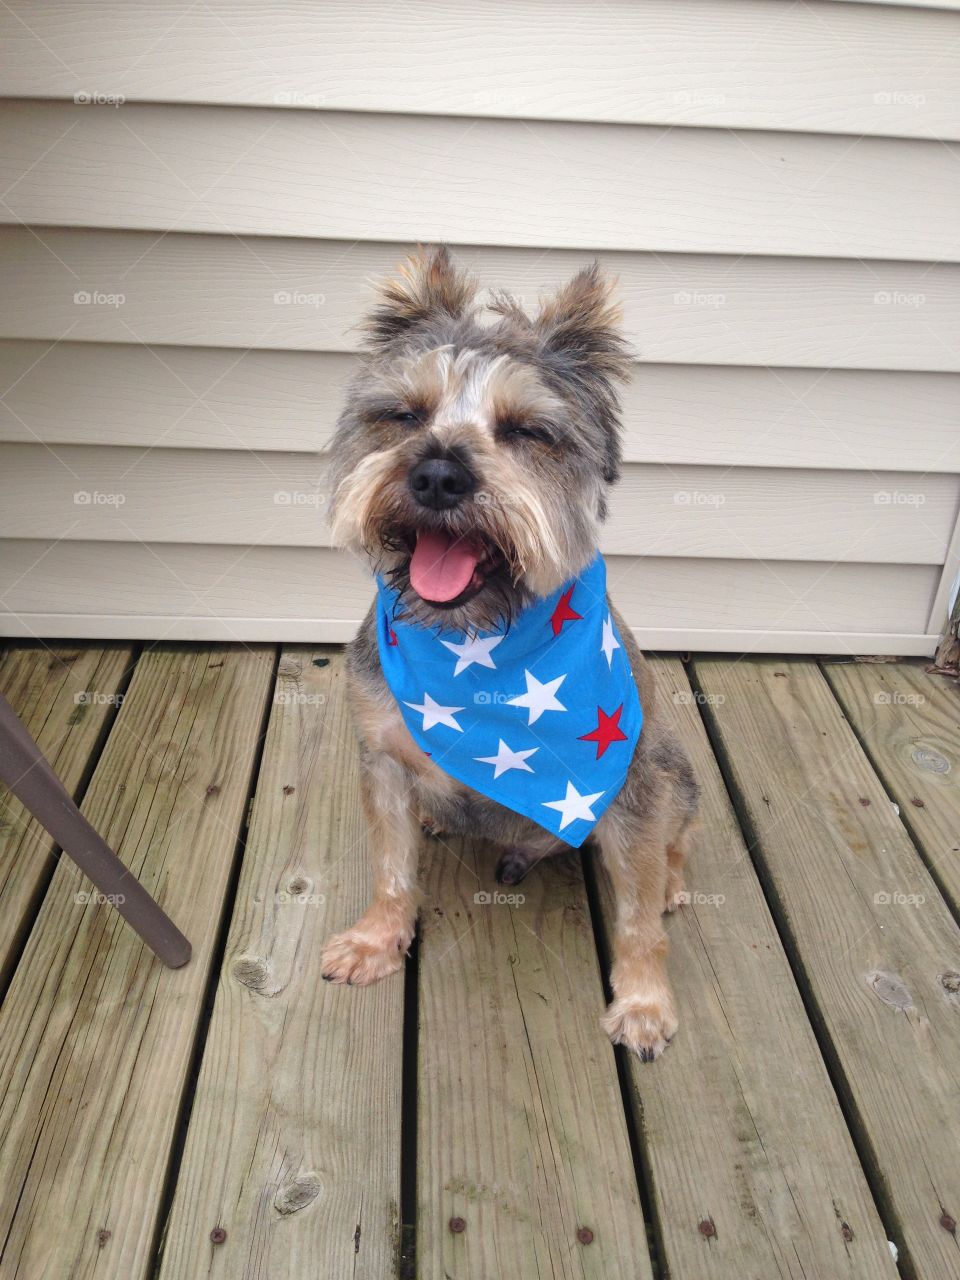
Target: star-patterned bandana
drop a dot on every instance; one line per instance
(542, 717)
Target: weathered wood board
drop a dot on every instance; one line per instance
(868, 932)
(909, 725)
(96, 1037)
(294, 1141)
(520, 1120)
(66, 697)
(753, 1170)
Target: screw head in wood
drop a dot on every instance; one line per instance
(585, 1235)
(457, 1225)
(218, 1235)
(707, 1229)
(948, 1223)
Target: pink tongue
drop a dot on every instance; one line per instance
(441, 566)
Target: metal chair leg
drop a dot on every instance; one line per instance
(29, 776)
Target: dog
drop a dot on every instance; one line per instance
(470, 468)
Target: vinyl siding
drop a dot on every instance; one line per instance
(181, 277)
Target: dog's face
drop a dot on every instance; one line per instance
(471, 462)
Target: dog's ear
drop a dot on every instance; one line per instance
(582, 322)
(580, 339)
(426, 286)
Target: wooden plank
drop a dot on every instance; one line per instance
(908, 722)
(242, 592)
(241, 497)
(95, 1035)
(277, 401)
(294, 1139)
(869, 934)
(520, 1123)
(66, 696)
(777, 1183)
(225, 291)
(586, 186)
(823, 67)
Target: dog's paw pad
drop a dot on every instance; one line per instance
(357, 961)
(643, 1027)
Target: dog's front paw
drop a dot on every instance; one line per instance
(359, 958)
(644, 1026)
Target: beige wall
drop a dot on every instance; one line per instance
(184, 250)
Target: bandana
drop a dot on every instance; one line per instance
(542, 716)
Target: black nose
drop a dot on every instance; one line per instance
(440, 483)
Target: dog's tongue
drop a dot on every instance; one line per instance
(441, 566)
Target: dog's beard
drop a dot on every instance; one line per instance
(526, 544)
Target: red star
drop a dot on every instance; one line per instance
(608, 730)
(563, 613)
(393, 637)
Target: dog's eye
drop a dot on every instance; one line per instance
(405, 417)
(522, 431)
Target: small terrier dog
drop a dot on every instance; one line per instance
(470, 467)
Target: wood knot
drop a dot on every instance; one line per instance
(213, 789)
(890, 989)
(846, 1231)
(950, 981)
(288, 790)
(301, 1190)
(252, 971)
(103, 1235)
(298, 885)
(930, 760)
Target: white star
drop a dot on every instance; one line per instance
(433, 713)
(573, 805)
(507, 759)
(610, 642)
(539, 697)
(473, 650)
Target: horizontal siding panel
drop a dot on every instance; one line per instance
(243, 592)
(544, 185)
(202, 496)
(209, 398)
(137, 287)
(826, 67)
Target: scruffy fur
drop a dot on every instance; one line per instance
(529, 406)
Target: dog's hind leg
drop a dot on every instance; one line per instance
(377, 944)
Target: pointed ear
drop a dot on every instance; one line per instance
(581, 341)
(426, 286)
(582, 323)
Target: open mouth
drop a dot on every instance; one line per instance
(448, 569)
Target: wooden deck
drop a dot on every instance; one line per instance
(240, 1118)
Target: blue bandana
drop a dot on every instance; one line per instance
(543, 717)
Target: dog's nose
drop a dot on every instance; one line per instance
(440, 483)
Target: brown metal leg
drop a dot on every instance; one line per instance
(34, 783)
